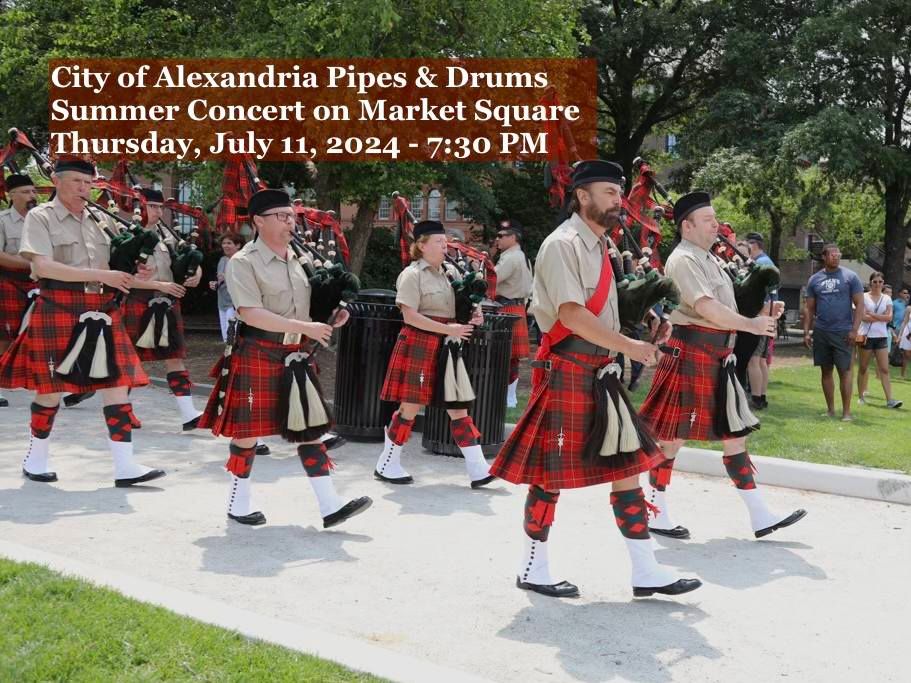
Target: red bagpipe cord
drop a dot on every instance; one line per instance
(236, 189)
(559, 331)
(640, 208)
(559, 144)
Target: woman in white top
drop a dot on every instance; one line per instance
(877, 314)
(231, 243)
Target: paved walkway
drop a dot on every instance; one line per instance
(428, 571)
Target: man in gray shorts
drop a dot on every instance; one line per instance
(831, 293)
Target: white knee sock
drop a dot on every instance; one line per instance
(329, 500)
(663, 519)
(37, 460)
(647, 573)
(124, 465)
(535, 567)
(187, 410)
(240, 501)
(511, 399)
(761, 517)
(389, 463)
(475, 464)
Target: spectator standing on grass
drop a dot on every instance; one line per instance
(230, 245)
(904, 339)
(873, 330)
(831, 293)
(899, 304)
(758, 367)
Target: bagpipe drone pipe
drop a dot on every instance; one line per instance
(752, 282)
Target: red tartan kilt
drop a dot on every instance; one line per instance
(133, 309)
(681, 401)
(412, 369)
(26, 365)
(545, 448)
(520, 346)
(256, 370)
(13, 302)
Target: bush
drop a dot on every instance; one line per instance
(383, 263)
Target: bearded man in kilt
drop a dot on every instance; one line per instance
(153, 318)
(16, 282)
(695, 393)
(513, 289)
(75, 340)
(266, 384)
(423, 368)
(579, 428)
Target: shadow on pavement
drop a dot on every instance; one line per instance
(442, 500)
(36, 503)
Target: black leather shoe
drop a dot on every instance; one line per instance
(678, 532)
(4, 403)
(71, 400)
(44, 478)
(679, 587)
(795, 516)
(262, 449)
(148, 476)
(393, 480)
(191, 425)
(564, 589)
(352, 508)
(253, 519)
(334, 441)
(482, 482)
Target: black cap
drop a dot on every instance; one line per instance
(755, 237)
(513, 226)
(14, 180)
(428, 228)
(595, 170)
(264, 200)
(74, 164)
(688, 203)
(152, 195)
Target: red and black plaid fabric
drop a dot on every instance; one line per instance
(681, 402)
(30, 361)
(546, 446)
(412, 368)
(134, 307)
(13, 302)
(630, 512)
(251, 391)
(520, 346)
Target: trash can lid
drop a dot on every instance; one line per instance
(379, 296)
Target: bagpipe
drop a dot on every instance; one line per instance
(752, 282)
(643, 211)
(18, 142)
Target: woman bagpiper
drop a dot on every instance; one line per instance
(426, 365)
(152, 314)
(266, 385)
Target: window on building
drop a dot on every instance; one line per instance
(670, 143)
(433, 205)
(417, 206)
(452, 210)
(184, 196)
(384, 212)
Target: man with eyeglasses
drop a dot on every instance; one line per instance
(266, 384)
(831, 294)
(15, 275)
(514, 283)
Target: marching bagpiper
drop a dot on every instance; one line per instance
(579, 428)
(152, 314)
(266, 384)
(695, 393)
(426, 364)
(75, 340)
(514, 282)
(16, 283)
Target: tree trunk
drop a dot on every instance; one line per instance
(775, 235)
(359, 234)
(896, 236)
(322, 186)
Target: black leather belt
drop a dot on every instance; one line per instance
(578, 345)
(17, 275)
(287, 338)
(60, 285)
(720, 338)
(510, 302)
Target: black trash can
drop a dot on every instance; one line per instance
(364, 349)
(486, 356)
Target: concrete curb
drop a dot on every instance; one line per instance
(856, 482)
(349, 652)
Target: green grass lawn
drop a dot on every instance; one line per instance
(795, 425)
(54, 628)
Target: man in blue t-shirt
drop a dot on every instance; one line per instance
(831, 293)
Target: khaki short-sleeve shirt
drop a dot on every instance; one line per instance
(567, 271)
(257, 277)
(513, 274)
(161, 260)
(50, 229)
(697, 275)
(11, 222)
(426, 289)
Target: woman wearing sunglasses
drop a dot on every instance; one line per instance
(877, 314)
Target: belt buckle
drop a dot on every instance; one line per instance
(674, 351)
(291, 338)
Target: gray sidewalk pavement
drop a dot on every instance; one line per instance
(428, 572)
